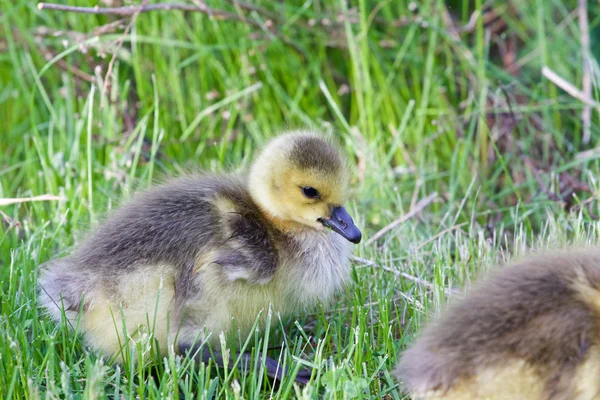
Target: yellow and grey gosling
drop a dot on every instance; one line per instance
(194, 255)
(530, 331)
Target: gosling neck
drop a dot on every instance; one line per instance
(284, 226)
(266, 209)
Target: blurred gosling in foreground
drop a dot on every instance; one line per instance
(531, 331)
(201, 254)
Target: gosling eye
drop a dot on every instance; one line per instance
(310, 192)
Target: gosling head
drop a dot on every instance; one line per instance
(300, 181)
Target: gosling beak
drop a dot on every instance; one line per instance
(342, 223)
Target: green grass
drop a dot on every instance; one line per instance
(419, 108)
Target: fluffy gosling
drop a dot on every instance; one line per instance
(531, 331)
(203, 253)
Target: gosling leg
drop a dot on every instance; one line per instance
(273, 368)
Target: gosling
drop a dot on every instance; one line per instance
(203, 254)
(531, 331)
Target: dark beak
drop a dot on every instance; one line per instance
(342, 223)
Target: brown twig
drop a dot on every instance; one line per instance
(111, 64)
(128, 11)
(413, 211)
(198, 6)
(44, 197)
(132, 10)
(586, 82)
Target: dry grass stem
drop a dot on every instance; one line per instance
(18, 200)
(420, 206)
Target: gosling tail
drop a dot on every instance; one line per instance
(61, 288)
